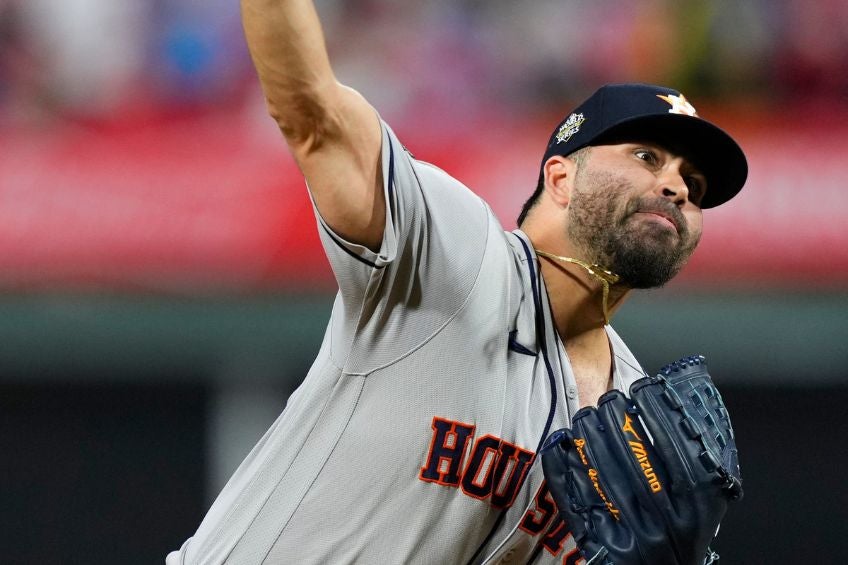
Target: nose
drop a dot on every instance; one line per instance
(672, 185)
(677, 194)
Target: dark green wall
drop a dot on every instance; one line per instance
(752, 338)
(105, 404)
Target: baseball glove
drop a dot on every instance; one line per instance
(646, 480)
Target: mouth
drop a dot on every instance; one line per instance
(660, 217)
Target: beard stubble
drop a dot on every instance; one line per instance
(644, 254)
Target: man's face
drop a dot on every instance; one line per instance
(635, 210)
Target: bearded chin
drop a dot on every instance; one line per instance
(642, 255)
(642, 263)
(645, 257)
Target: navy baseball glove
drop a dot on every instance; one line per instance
(646, 480)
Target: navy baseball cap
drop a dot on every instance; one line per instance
(618, 112)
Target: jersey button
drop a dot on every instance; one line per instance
(571, 392)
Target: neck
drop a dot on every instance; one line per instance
(583, 296)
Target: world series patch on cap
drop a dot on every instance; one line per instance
(644, 112)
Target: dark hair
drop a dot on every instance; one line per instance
(540, 186)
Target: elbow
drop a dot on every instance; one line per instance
(306, 121)
(304, 108)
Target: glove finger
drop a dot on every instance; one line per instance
(641, 473)
(598, 475)
(662, 417)
(578, 501)
(635, 478)
(559, 462)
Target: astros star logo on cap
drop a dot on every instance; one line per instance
(679, 105)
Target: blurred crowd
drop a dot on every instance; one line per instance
(112, 60)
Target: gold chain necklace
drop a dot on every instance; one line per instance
(606, 276)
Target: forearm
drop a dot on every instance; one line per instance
(288, 50)
(332, 131)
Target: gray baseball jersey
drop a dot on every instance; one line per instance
(413, 438)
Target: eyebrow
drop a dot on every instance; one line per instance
(674, 149)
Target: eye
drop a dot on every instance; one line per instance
(697, 187)
(647, 155)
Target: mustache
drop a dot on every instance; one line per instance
(662, 207)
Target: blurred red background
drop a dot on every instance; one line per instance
(214, 202)
(136, 154)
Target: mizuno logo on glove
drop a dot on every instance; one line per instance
(641, 455)
(647, 469)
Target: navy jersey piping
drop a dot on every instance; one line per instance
(348, 251)
(517, 347)
(391, 183)
(390, 190)
(540, 332)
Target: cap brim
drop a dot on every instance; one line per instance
(709, 147)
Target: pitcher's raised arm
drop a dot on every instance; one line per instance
(332, 131)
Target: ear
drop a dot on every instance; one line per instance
(559, 173)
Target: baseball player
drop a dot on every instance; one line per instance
(454, 348)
